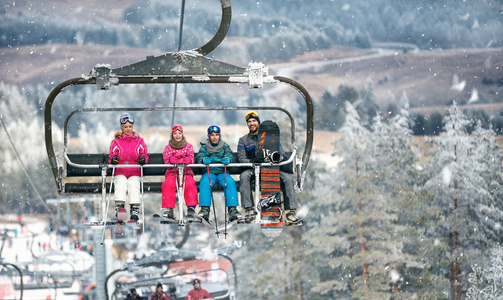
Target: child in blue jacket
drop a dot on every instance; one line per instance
(217, 152)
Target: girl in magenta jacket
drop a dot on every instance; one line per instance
(127, 148)
(178, 151)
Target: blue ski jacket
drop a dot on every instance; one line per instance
(215, 157)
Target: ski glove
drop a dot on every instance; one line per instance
(226, 160)
(173, 160)
(186, 160)
(142, 160)
(115, 160)
(206, 160)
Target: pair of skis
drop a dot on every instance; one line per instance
(197, 219)
(226, 222)
(180, 191)
(121, 213)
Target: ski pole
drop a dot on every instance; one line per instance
(180, 191)
(108, 205)
(142, 204)
(212, 201)
(225, 197)
(183, 185)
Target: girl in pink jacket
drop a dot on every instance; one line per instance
(127, 148)
(178, 151)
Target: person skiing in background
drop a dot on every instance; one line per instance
(127, 148)
(159, 294)
(216, 151)
(198, 292)
(247, 147)
(179, 151)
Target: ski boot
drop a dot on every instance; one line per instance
(233, 214)
(120, 213)
(204, 213)
(168, 217)
(191, 215)
(135, 216)
(249, 215)
(291, 219)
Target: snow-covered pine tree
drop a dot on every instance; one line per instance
(368, 107)
(485, 283)
(25, 129)
(459, 192)
(399, 211)
(488, 166)
(338, 239)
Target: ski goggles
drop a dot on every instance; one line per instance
(213, 129)
(251, 114)
(124, 120)
(177, 127)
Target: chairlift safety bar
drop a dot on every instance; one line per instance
(290, 159)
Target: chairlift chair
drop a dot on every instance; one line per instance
(183, 67)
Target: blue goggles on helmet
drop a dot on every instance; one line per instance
(213, 129)
(124, 120)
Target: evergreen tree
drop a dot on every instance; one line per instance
(485, 283)
(400, 214)
(330, 111)
(435, 124)
(340, 234)
(368, 107)
(488, 166)
(419, 124)
(462, 196)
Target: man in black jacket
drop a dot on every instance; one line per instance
(247, 147)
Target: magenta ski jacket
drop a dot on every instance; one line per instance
(184, 155)
(128, 149)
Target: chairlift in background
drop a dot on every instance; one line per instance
(178, 267)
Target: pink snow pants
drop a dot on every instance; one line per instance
(169, 191)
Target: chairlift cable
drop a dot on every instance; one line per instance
(24, 168)
(182, 14)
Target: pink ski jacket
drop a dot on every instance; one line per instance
(184, 155)
(129, 149)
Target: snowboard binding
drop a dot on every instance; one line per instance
(266, 202)
(271, 157)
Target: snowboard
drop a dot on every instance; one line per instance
(268, 152)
